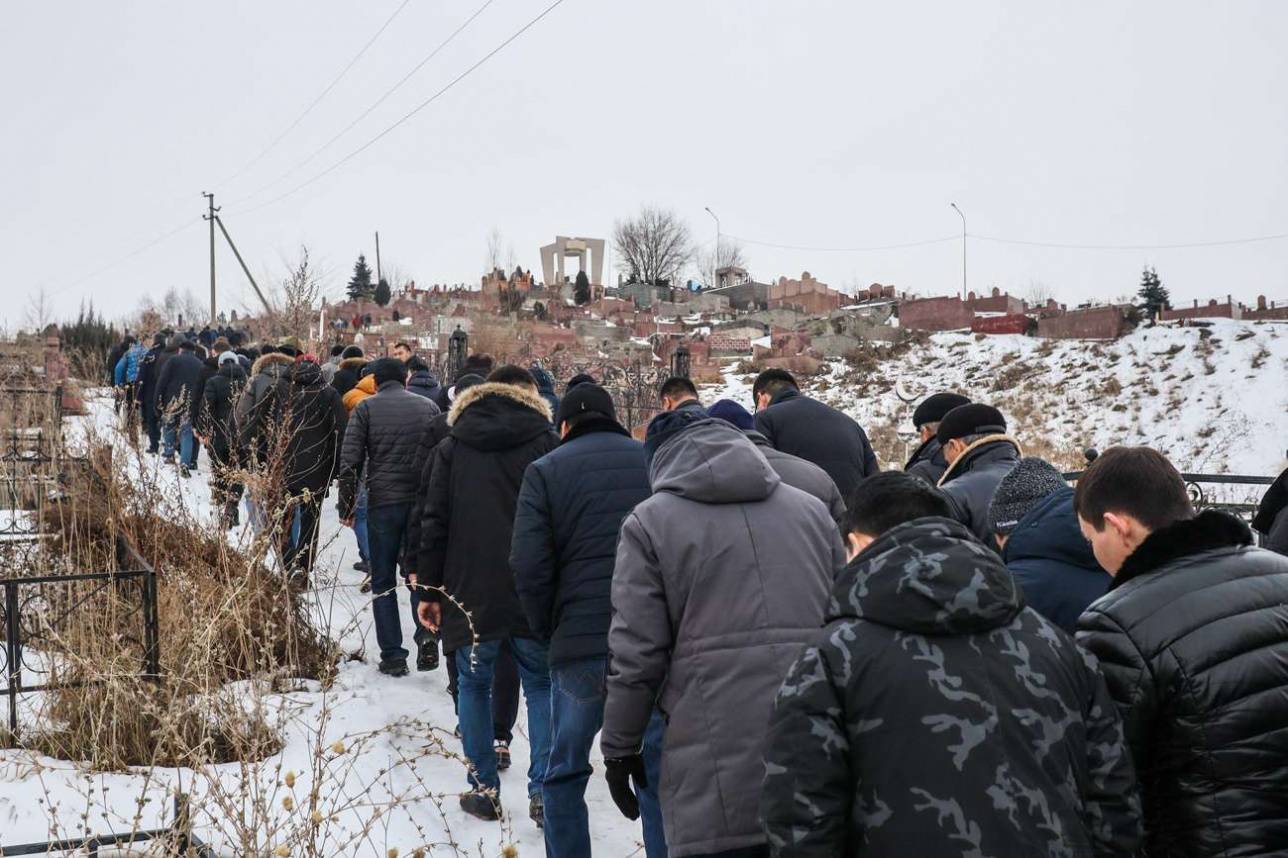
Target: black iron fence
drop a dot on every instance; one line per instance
(184, 842)
(39, 612)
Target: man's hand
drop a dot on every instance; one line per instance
(619, 772)
(348, 522)
(430, 615)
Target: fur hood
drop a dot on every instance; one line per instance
(522, 395)
(1210, 530)
(966, 454)
(354, 363)
(263, 361)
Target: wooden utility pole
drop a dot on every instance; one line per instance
(268, 307)
(379, 275)
(210, 216)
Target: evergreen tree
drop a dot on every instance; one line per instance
(1153, 294)
(360, 287)
(581, 289)
(383, 295)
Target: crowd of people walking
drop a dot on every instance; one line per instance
(783, 649)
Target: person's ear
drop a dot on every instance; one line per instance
(564, 429)
(855, 542)
(1123, 528)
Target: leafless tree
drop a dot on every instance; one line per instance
(500, 253)
(652, 247)
(296, 298)
(730, 254)
(1039, 293)
(39, 311)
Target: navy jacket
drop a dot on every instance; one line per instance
(970, 482)
(179, 381)
(1052, 562)
(818, 433)
(570, 511)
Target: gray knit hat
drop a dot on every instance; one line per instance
(1028, 483)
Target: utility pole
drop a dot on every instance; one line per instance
(379, 275)
(268, 307)
(210, 216)
(959, 211)
(715, 256)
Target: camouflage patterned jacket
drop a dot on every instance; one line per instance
(935, 715)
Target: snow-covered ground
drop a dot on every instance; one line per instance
(395, 739)
(1214, 399)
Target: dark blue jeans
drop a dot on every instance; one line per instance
(475, 690)
(576, 715)
(385, 528)
(179, 430)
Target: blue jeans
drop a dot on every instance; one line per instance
(360, 524)
(475, 689)
(386, 526)
(576, 715)
(187, 444)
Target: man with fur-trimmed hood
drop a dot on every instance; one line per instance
(498, 429)
(979, 455)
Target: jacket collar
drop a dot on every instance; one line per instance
(263, 362)
(592, 426)
(1207, 531)
(977, 451)
(785, 394)
(928, 451)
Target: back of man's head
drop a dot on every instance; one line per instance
(677, 389)
(337, 350)
(351, 352)
(516, 376)
(886, 500)
(1135, 481)
(388, 369)
(417, 364)
(771, 381)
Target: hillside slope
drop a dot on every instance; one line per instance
(1214, 399)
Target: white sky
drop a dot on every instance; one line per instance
(824, 124)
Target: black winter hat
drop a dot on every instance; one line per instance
(351, 352)
(1029, 482)
(388, 369)
(973, 419)
(933, 408)
(581, 378)
(463, 384)
(586, 398)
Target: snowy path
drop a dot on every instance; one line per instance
(362, 700)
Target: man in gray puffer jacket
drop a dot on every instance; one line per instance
(721, 577)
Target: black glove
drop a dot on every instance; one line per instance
(618, 772)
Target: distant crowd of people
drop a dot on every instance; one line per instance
(783, 649)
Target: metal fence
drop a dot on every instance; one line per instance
(38, 612)
(185, 842)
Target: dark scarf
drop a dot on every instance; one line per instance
(1272, 504)
(1207, 531)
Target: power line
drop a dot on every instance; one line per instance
(127, 257)
(426, 103)
(375, 105)
(871, 249)
(314, 103)
(1177, 246)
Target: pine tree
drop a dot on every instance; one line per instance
(1153, 294)
(360, 287)
(581, 289)
(383, 295)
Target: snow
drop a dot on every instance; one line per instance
(397, 735)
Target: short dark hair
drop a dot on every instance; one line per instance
(677, 386)
(771, 381)
(352, 352)
(404, 344)
(337, 350)
(416, 363)
(511, 374)
(886, 500)
(1137, 481)
(388, 369)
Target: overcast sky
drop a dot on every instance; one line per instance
(810, 124)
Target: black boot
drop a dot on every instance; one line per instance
(393, 667)
(481, 805)
(427, 654)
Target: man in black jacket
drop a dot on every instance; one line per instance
(1193, 639)
(818, 433)
(935, 715)
(176, 391)
(570, 510)
(349, 369)
(928, 460)
(149, 369)
(214, 426)
(384, 437)
(498, 429)
(979, 454)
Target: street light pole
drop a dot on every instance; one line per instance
(715, 257)
(959, 211)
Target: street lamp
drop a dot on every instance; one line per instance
(715, 257)
(959, 211)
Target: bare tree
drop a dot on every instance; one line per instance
(39, 311)
(730, 254)
(652, 247)
(1039, 293)
(500, 253)
(295, 300)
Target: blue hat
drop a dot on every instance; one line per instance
(732, 412)
(667, 425)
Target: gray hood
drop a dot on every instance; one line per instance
(713, 462)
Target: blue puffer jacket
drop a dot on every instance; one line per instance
(570, 511)
(126, 370)
(1052, 562)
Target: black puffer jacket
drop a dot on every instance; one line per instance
(468, 510)
(570, 512)
(315, 425)
(260, 406)
(1271, 519)
(177, 385)
(971, 481)
(150, 375)
(218, 403)
(384, 440)
(347, 374)
(928, 462)
(1193, 639)
(209, 368)
(818, 433)
(424, 383)
(934, 715)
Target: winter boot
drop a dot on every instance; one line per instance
(184, 472)
(361, 566)
(427, 655)
(502, 749)
(231, 517)
(394, 667)
(537, 810)
(481, 805)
